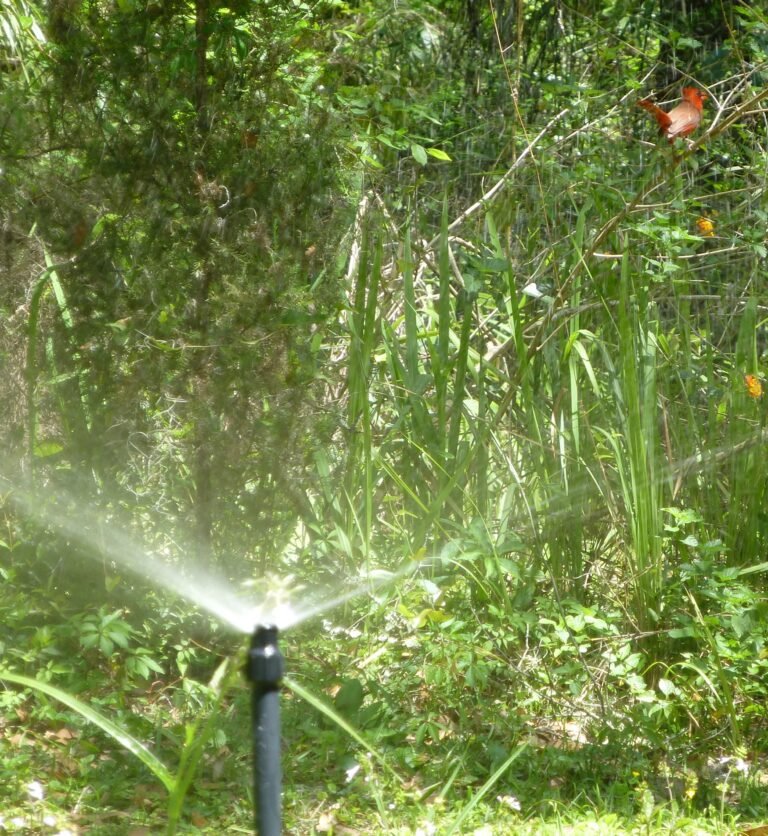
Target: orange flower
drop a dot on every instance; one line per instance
(754, 386)
(706, 227)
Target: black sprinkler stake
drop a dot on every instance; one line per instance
(265, 669)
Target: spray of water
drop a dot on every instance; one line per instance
(289, 616)
(221, 598)
(267, 603)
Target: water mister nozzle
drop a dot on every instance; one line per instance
(265, 668)
(266, 664)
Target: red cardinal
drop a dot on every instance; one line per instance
(682, 119)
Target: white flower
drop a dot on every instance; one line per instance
(35, 791)
(532, 290)
(741, 766)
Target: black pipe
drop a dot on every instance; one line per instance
(265, 670)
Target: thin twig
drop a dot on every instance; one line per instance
(493, 191)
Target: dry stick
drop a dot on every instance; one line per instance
(491, 193)
(695, 463)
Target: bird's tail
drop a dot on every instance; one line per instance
(658, 114)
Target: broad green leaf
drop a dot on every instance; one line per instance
(419, 153)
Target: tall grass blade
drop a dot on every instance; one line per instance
(484, 790)
(336, 718)
(124, 738)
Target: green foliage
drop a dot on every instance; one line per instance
(196, 736)
(329, 289)
(234, 261)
